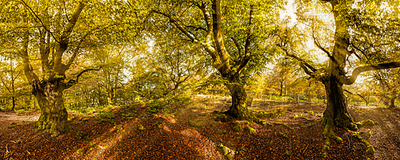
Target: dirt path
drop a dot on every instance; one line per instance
(385, 135)
(11, 116)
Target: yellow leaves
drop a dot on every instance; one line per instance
(94, 38)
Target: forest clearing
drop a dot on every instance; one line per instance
(193, 131)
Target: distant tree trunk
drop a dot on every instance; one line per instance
(110, 96)
(336, 110)
(392, 99)
(391, 104)
(281, 89)
(53, 115)
(13, 103)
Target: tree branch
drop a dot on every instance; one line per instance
(37, 17)
(247, 52)
(298, 59)
(237, 46)
(350, 80)
(208, 42)
(86, 70)
(180, 27)
(196, 28)
(322, 48)
(357, 95)
(64, 40)
(76, 51)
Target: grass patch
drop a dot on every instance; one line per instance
(141, 127)
(194, 123)
(221, 132)
(287, 153)
(13, 125)
(249, 129)
(283, 135)
(106, 114)
(237, 127)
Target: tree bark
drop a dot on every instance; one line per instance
(336, 110)
(54, 115)
(392, 99)
(238, 108)
(13, 103)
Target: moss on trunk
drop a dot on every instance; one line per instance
(54, 116)
(238, 108)
(336, 109)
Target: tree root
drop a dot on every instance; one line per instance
(328, 133)
(370, 148)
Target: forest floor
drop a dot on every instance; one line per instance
(293, 131)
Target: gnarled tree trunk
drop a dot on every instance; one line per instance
(238, 108)
(336, 110)
(53, 116)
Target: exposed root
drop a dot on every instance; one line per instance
(370, 148)
(328, 133)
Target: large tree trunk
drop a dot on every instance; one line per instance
(336, 110)
(54, 116)
(238, 108)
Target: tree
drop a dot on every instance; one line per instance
(353, 22)
(387, 82)
(50, 37)
(234, 33)
(9, 77)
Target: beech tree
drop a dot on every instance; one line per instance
(353, 22)
(234, 33)
(50, 36)
(385, 85)
(10, 78)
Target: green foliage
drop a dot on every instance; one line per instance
(80, 135)
(221, 132)
(221, 118)
(249, 129)
(369, 133)
(370, 149)
(158, 124)
(306, 118)
(13, 125)
(276, 113)
(260, 121)
(81, 151)
(194, 123)
(283, 135)
(237, 127)
(106, 114)
(141, 127)
(366, 123)
(287, 153)
(227, 152)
